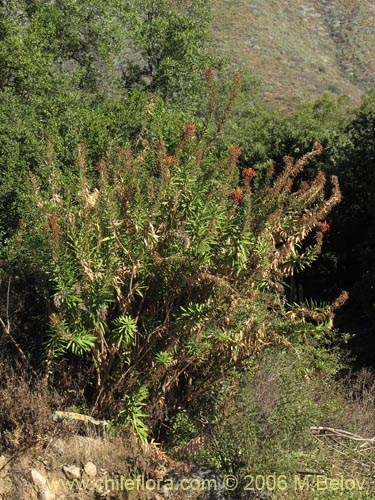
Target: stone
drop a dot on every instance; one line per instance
(58, 446)
(48, 495)
(90, 469)
(205, 479)
(72, 472)
(38, 479)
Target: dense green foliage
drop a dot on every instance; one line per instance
(168, 42)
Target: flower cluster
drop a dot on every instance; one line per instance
(235, 151)
(55, 318)
(248, 173)
(237, 194)
(325, 226)
(169, 160)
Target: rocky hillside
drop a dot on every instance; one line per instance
(300, 48)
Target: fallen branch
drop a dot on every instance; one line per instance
(338, 441)
(69, 416)
(340, 433)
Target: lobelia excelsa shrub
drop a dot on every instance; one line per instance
(162, 263)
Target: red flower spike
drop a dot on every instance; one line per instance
(169, 160)
(237, 194)
(248, 173)
(55, 318)
(235, 151)
(325, 226)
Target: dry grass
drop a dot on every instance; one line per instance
(270, 429)
(51, 446)
(31, 440)
(25, 411)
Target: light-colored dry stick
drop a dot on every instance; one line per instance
(330, 432)
(6, 325)
(319, 432)
(346, 455)
(71, 416)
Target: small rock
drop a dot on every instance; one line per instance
(48, 495)
(72, 472)
(58, 446)
(208, 476)
(90, 469)
(103, 494)
(39, 480)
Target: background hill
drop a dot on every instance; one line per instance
(300, 48)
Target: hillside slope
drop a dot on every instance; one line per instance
(300, 48)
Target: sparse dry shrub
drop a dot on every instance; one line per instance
(272, 423)
(360, 388)
(268, 427)
(25, 410)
